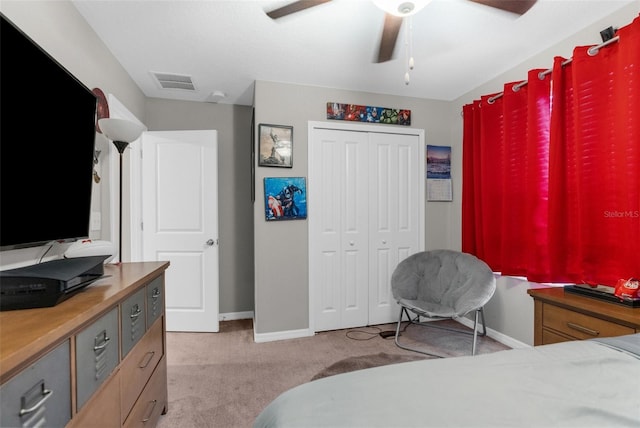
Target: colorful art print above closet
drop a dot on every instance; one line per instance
(285, 198)
(275, 145)
(370, 114)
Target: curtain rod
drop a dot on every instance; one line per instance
(592, 51)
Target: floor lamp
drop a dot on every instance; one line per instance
(121, 132)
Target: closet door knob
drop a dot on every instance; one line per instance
(352, 243)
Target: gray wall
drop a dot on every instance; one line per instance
(281, 248)
(235, 210)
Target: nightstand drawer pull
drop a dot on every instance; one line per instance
(583, 329)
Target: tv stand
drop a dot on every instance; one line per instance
(49, 283)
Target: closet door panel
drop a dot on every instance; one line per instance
(394, 228)
(327, 277)
(339, 279)
(355, 234)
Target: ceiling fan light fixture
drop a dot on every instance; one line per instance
(401, 7)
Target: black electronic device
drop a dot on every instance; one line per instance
(49, 283)
(47, 138)
(601, 293)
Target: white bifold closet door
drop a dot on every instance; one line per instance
(366, 202)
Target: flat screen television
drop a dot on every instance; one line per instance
(47, 137)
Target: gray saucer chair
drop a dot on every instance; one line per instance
(442, 284)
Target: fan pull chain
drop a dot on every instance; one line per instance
(409, 48)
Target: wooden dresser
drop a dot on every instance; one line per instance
(95, 359)
(561, 317)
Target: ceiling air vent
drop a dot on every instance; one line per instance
(174, 81)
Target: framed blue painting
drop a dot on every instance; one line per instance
(285, 198)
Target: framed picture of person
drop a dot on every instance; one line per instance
(275, 145)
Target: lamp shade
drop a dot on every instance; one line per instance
(120, 130)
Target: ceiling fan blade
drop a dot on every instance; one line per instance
(389, 37)
(514, 6)
(294, 7)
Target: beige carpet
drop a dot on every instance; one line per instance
(224, 380)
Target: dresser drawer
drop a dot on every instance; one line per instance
(96, 355)
(152, 401)
(133, 321)
(41, 394)
(580, 326)
(155, 299)
(139, 366)
(103, 408)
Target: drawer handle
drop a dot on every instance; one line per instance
(156, 293)
(583, 329)
(135, 312)
(153, 407)
(46, 394)
(146, 363)
(105, 342)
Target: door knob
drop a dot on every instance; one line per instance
(211, 242)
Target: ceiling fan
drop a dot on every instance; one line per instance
(393, 21)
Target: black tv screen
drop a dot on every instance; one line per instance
(47, 137)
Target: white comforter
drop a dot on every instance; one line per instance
(572, 384)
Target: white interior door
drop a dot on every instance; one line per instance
(368, 190)
(180, 223)
(394, 227)
(340, 248)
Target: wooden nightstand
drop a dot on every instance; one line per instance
(560, 317)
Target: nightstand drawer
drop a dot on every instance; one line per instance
(580, 326)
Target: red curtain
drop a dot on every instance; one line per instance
(605, 145)
(564, 236)
(551, 175)
(469, 155)
(490, 175)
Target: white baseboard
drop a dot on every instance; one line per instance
(496, 335)
(294, 334)
(281, 335)
(229, 316)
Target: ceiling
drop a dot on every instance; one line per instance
(226, 46)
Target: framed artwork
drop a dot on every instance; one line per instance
(285, 198)
(371, 114)
(275, 145)
(439, 185)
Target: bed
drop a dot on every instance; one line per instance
(590, 383)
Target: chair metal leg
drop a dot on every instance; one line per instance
(475, 334)
(479, 312)
(398, 344)
(479, 315)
